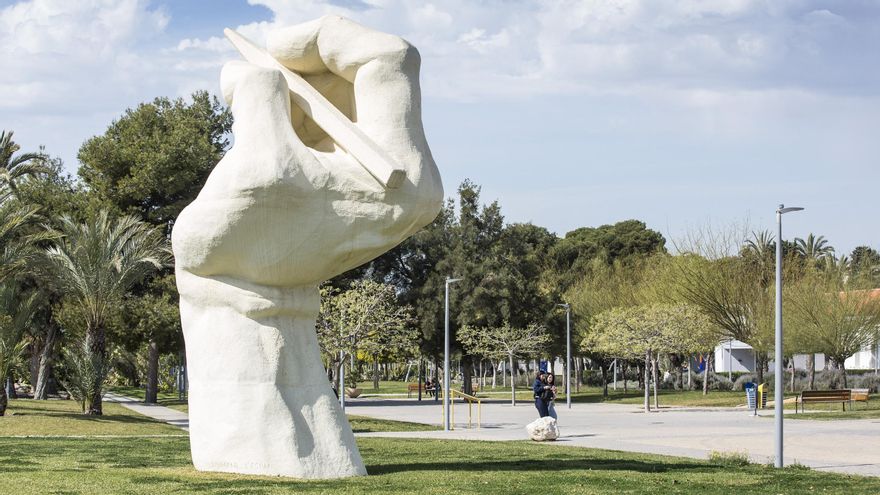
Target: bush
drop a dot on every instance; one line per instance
(716, 382)
(84, 373)
(740, 384)
(729, 458)
(871, 382)
(829, 379)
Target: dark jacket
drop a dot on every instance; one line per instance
(538, 388)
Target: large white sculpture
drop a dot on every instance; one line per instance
(285, 209)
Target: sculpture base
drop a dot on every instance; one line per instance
(259, 401)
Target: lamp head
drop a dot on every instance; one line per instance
(783, 210)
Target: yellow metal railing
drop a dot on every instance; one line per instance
(470, 399)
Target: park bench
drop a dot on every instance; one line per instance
(860, 395)
(414, 387)
(827, 396)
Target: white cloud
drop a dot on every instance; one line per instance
(725, 63)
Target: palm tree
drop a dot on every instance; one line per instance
(95, 263)
(813, 248)
(13, 168)
(16, 312)
(762, 245)
(17, 237)
(760, 251)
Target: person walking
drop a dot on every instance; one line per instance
(538, 387)
(549, 395)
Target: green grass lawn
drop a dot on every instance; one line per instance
(826, 412)
(162, 465)
(64, 417)
(363, 424)
(130, 463)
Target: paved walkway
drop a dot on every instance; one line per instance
(848, 446)
(162, 413)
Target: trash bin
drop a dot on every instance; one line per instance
(751, 396)
(762, 395)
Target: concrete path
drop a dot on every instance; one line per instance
(161, 413)
(849, 446)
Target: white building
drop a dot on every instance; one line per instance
(739, 356)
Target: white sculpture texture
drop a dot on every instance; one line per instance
(286, 209)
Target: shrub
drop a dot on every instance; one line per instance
(716, 382)
(740, 384)
(871, 382)
(84, 373)
(729, 458)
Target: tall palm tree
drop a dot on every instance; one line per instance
(16, 311)
(95, 263)
(762, 245)
(18, 237)
(13, 168)
(759, 251)
(813, 248)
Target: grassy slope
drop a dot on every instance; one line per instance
(161, 465)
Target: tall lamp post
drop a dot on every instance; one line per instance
(778, 382)
(446, 397)
(568, 353)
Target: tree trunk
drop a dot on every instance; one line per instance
(759, 368)
(647, 380)
(152, 394)
(655, 378)
(706, 373)
(494, 372)
(44, 370)
(96, 342)
(10, 386)
(512, 382)
(467, 373)
(791, 382)
(640, 372)
(375, 372)
(604, 368)
(578, 373)
(34, 364)
(842, 364)
(4, 401)
(690, 370)
(625, 389)
(811, 371)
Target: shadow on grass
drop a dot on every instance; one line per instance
(539, 465)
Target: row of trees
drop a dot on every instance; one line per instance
(632, 300)
(87, 277)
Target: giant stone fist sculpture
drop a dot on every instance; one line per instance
(285, 209)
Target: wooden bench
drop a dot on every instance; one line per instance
(860, 395)
(414, 387)
(827, 396)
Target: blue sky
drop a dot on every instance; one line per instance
(571, 114)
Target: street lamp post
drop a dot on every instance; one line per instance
(778, 382)
(446, 397)
(567, 353)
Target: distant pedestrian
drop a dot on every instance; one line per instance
(538, 387)
(550, 395)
